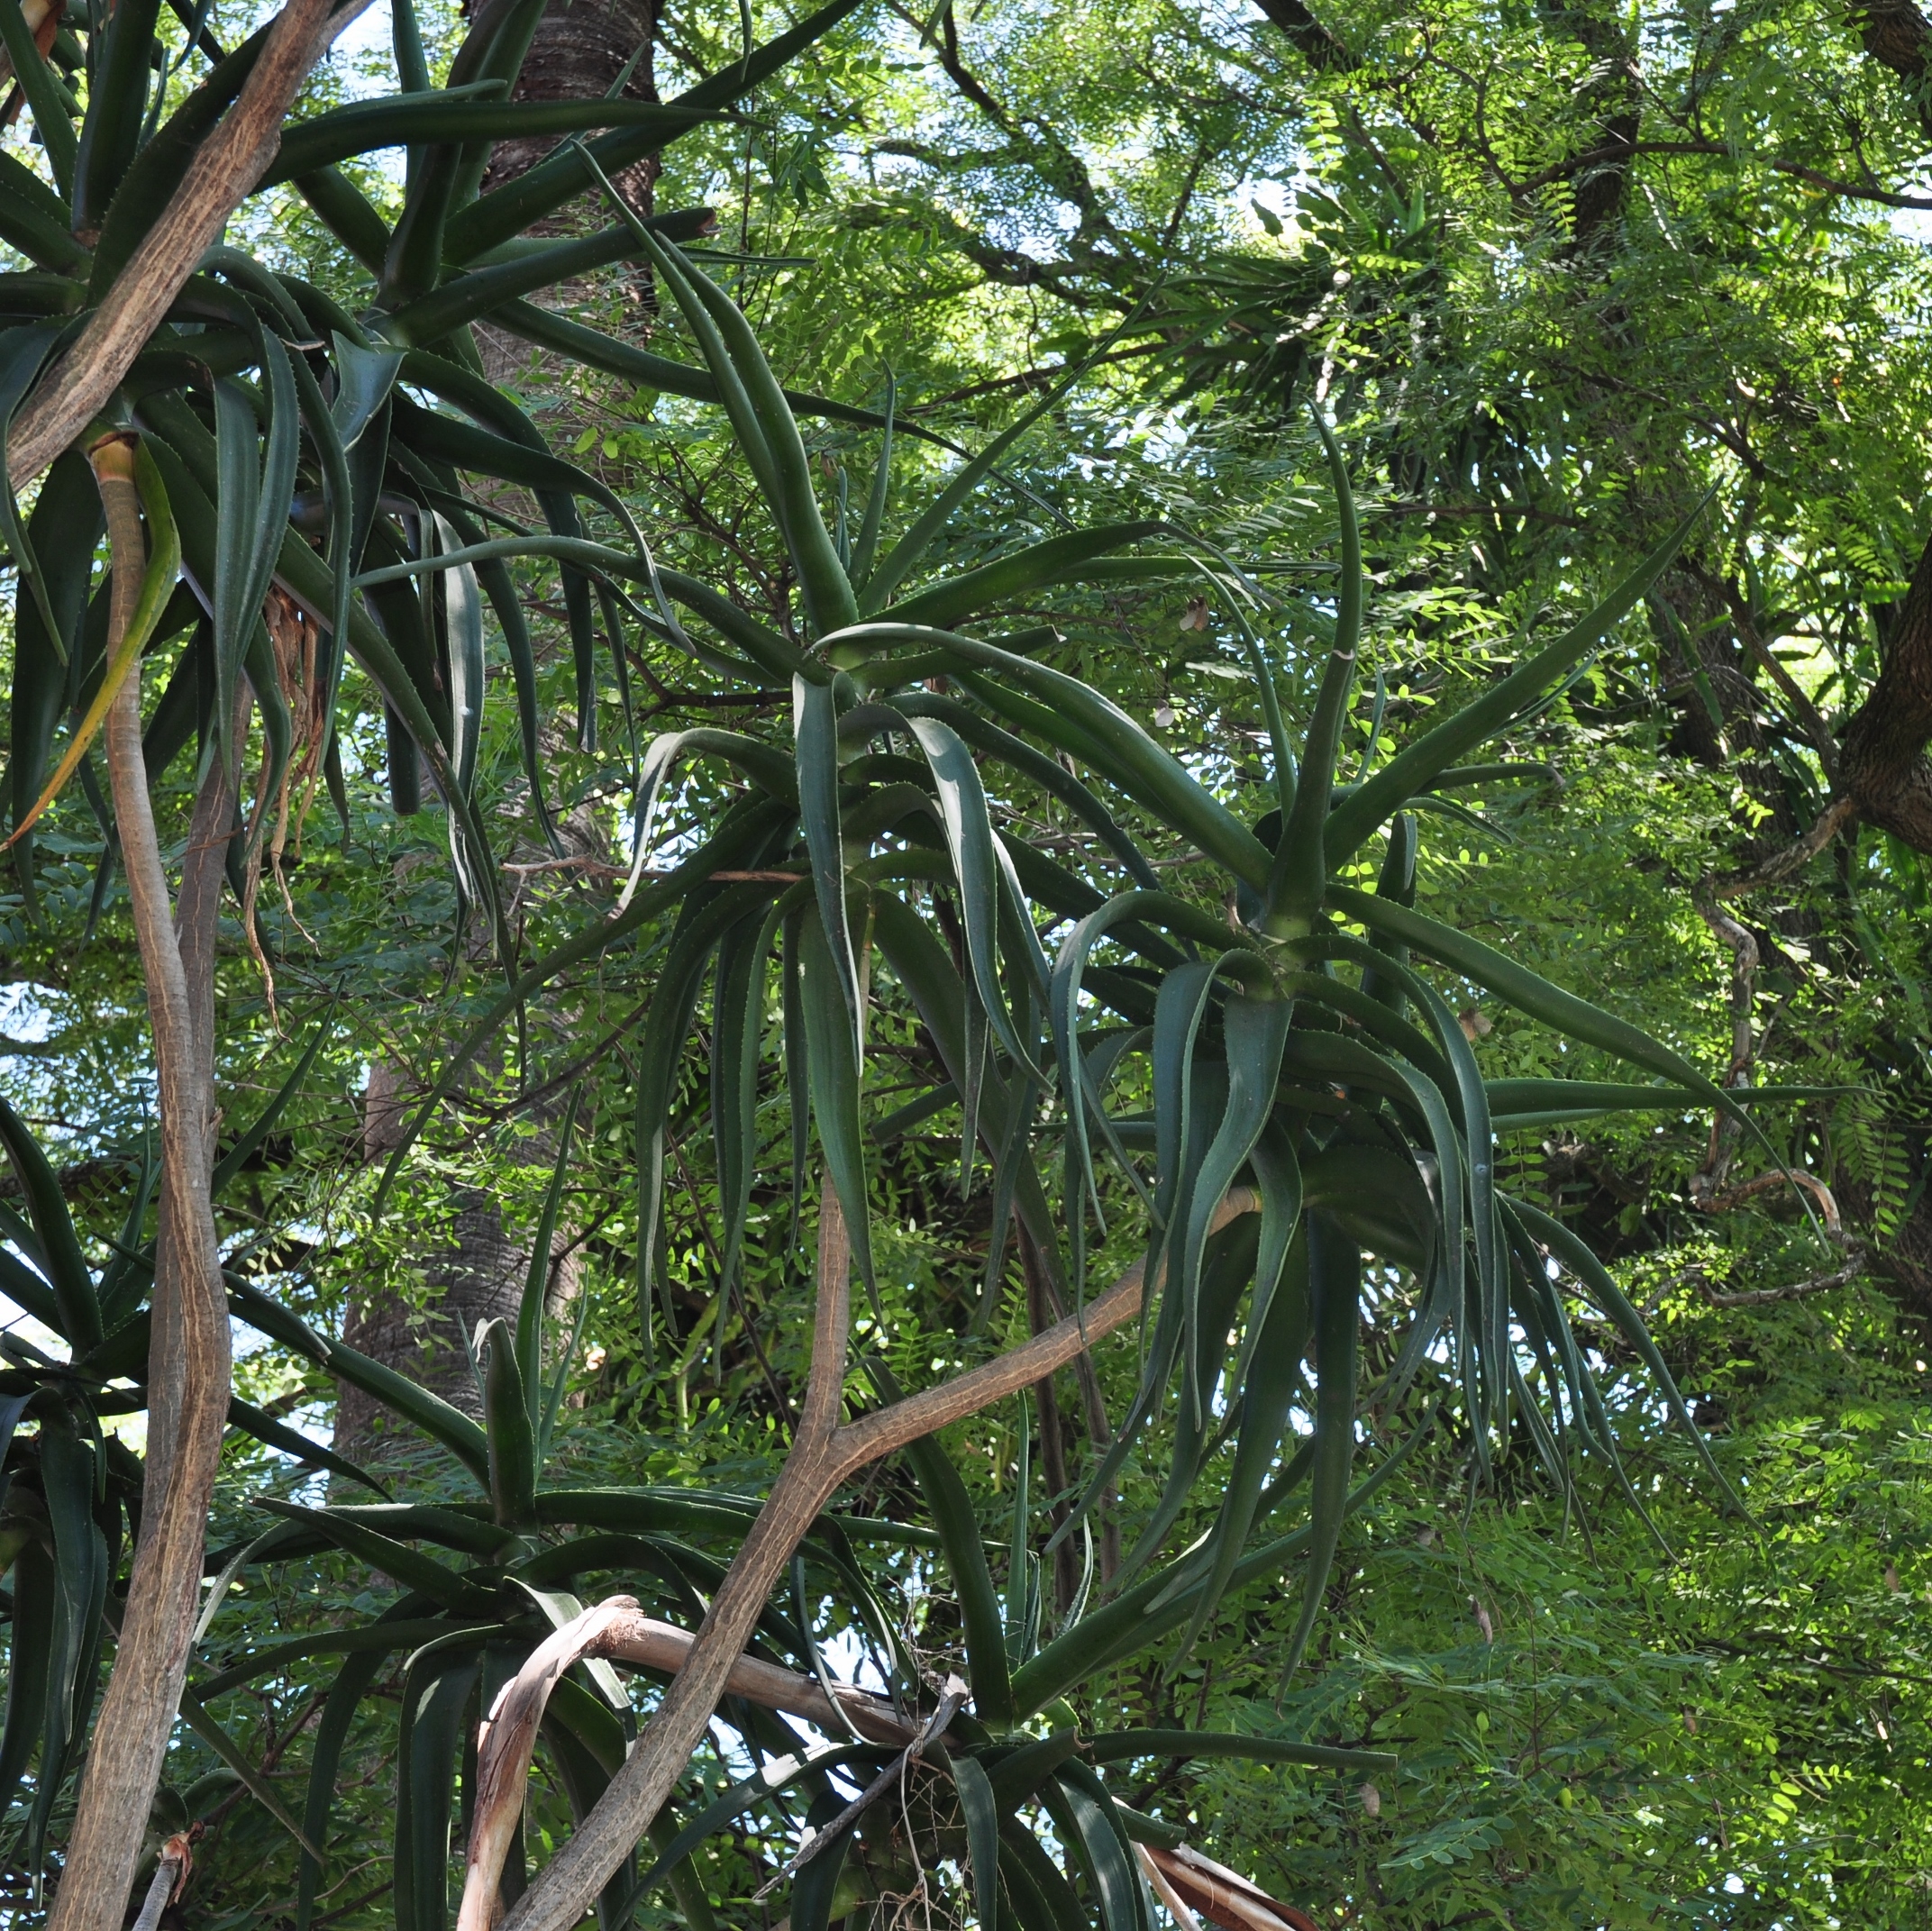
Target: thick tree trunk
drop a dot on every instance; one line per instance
(1883, 766)
(478, 1274)
(580, 50)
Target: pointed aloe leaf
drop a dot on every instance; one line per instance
(1335, 1296)
(23, 351)
(831, 1052)
(968, 829)
(763, 420)
(1255, 1030)
(1107, 738)
(815, 737)
(952, 1512)
(536, 1282)
(1536, 995)
(509, 1422)
(1125, 1625)
(737, 1038)
(343, 1697)
(428, 1411)
(65, 1267)
(905, 555)
(815, 1885)
(460, 113)
(1191, 1438)
(982, 1837)
(865, 545)
(1014, 1612)
(46, 98)
(509, 211)
(1077, 1797)
(364, 378)
(1273, 1382)
(195, 1716)
(1043, 772)
(1615, 1305)
(1413, 770)
(1301, 859)
(284, 1440)
(30, 1666)
(704, 920)
(1058, 560)
(405, 1565)
(429, 1746)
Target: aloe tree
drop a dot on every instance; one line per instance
(1316, 1104)
(241, 428)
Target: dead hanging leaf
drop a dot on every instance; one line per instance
(1484, 1622)
(293, 640)
(1195, 616)
(1892, 1578)
(1476, 1023)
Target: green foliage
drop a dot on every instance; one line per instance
(1529, 397)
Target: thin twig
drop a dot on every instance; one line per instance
(951, 1704)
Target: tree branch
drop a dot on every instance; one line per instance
(822, 1455)
(224, 170)
(188, 1362)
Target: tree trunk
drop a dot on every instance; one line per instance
(578, 53)
(1883, 766)
(580, 48)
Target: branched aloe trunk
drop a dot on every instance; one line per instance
(188, 1362)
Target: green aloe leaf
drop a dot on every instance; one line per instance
(510, 1423)
(57, 1245)
(951, 1510)
(1531, 993)
(968, 829)
(1615, 1305)
(456, 114)
(1301, 859)
(816, 1884)
(1269, 1390)
(1042, 1898)
(737, 1043)
(1080, 1804)
(982, 1837)
(48, 99)
(436, 1691)
(1058, 560)
(1420, 764)
(1116, 747)
(834, 1074)
(1335, 1296)
(285, 1441)
(406, 1566)
(766, 429)
(428, 1411)
(29, 1665)
(195, 1716)
(1254, 1032)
